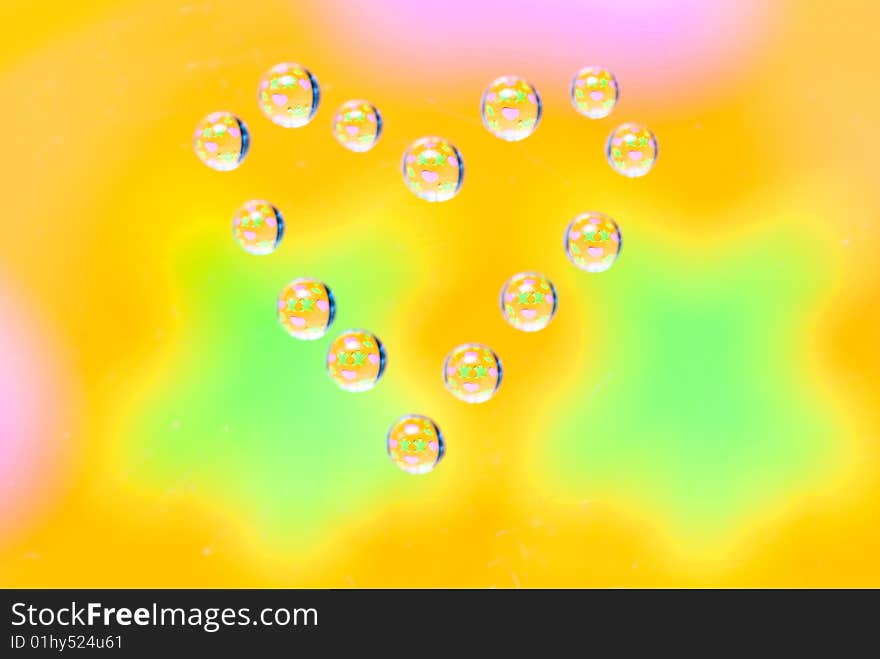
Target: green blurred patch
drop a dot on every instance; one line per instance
(695, 391)
(249, 416)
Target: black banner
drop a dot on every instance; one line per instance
(400, 622)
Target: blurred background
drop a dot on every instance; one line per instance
(706, 413)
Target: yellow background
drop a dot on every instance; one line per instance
(705, 413)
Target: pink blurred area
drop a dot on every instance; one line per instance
(34, 412)
(657, 46)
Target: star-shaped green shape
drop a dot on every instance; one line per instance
(421, 445)
(274, 480)
(704, 358)
(359, 358)
(307, 303)
(522, 298)
(464, 371)
(481, 370)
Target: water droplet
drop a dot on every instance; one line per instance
(472, 373)
(511, 108)
(631, 150)
(221, 141)
(415, 444)
(594, 92)
(357, 125)
(356, 360)
(433, 169)
(528, 301)
(593, 241)
(258, 227)
(306, 309)
(289, 95)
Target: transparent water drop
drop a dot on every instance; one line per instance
(511, 108)
(258, 227)
(357, 125)
(415, 444)
(594, 92)
(632, 150)
(433, 169)
(356, 360)
(528, 301)
(593, 241)
(221, 141)
(472, 373)
(306, 309)
(289, 95)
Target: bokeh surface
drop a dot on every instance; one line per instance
(705, 413)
